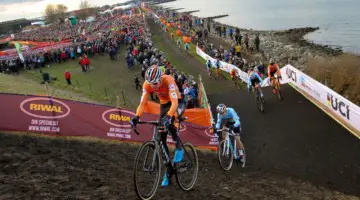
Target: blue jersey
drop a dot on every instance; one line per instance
(252, 76)
(230, 115)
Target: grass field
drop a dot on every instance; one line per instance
(105, 81)
(21, 85)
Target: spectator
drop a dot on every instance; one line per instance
(186, 91)
(86, 63)
(137, 83)
(130, 60)
(68, 77)
(224, 31)
(257, 43)
(231, 32)
(192, 96)
(63, 56)
(82, 64)
(246, 41)
(238, 50)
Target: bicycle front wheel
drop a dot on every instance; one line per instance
(186, 172)
(225, 155)
(260, 103)
(147, 170)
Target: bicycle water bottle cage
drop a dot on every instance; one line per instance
(161, 129)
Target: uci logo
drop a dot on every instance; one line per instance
(291, 74)
(339, 106)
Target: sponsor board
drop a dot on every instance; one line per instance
(214, 139)
(120, 123)
(118, 118)
(72, 118)
(338, 106)
(45, 108)
(45, 113)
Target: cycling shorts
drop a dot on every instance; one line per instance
(254, 81)
(237, 130)
(273, 73)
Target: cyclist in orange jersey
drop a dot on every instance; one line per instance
(272, 70)
(170, 100)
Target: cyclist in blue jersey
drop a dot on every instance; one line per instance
(229, 118)
(254, 81)
(209, 66)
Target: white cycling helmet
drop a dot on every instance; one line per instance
(221, 108)
(153, 74)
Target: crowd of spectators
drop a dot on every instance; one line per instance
(200, 29)
(99, 38)
(142, 52)
(103, 36)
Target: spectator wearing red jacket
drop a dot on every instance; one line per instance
(81, 63)
(86, 63)
(68, 77)
(63, 56)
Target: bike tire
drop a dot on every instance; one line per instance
(260, 104)
(244, 163)
(145, 147)
(220, 153)
(193, 163)
(279, 95)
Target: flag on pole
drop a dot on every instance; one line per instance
(18, 49)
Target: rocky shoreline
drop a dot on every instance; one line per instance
(285, 47)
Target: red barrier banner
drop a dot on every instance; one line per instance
(71, 118)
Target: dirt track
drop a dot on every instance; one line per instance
(43, 168)
(309, 161)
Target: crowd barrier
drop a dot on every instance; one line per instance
(71, 118)
(338, 107)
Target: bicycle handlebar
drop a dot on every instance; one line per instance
(156, 123)
(231, 132)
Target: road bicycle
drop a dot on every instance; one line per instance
(276, 87)
(147, 161)
(260, 101)
(227, 151)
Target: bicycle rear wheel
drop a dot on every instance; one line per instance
(260, 103)
(279, 95)
(278, 90)
(186, 172)
(225, 156)
(147, 162)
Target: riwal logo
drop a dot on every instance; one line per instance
(338, 106)
(182, 128)
(118, 118)
(210, 132)
(45, 108)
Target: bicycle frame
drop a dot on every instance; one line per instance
(229, 145)
(159, 145)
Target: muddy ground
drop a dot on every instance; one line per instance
(56, 168)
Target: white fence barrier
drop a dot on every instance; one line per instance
(338, 106)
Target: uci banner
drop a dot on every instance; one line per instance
(337, 106)
(70, 118)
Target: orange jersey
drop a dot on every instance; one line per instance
(273, 68)
(167, 92)
(233, 73)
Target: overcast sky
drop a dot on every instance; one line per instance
(15, 9)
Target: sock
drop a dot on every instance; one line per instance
(241, 152)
